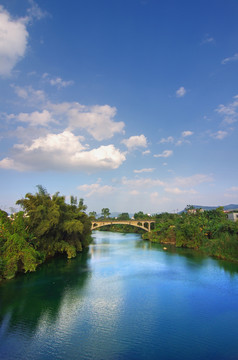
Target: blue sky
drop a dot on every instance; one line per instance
(129, 104)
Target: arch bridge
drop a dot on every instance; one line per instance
(142, 224)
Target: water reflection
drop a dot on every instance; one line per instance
(30, 297)
(193, 257)
(124, 299)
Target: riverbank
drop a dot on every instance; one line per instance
(209, 232)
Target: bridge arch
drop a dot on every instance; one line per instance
(136, 223)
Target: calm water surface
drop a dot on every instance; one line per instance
(123, 299)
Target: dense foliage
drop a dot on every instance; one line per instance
(209, 231)
(48, 226)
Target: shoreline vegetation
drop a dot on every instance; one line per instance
(48, 226)
(208, 231)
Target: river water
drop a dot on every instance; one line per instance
(123, 299)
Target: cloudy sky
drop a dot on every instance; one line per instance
(129, 104)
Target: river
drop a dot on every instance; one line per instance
(124, 299)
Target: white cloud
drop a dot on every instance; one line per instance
(35, 12)
(36, 118)
(96, 120)
(207, 40)
(13, 41)
(229, 112)
(57, 81)
(233, 189)
(192, 180)
(181, 92)
(135, 142)
(62, 152)
(219, 135)
(144, 170)
(177, 191)
(169, 139)
(187, 133)
(134, 192)
(31, 95)
(146, 152)
(230, 59)
(165, 154)
(142, 182)
(96, 189)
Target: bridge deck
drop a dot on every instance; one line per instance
(137, 223)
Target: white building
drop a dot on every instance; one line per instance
(233, 216)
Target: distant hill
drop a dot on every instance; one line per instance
(226, 207)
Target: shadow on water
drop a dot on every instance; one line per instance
(26, 299)
(194, 257)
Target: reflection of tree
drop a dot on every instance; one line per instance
(194, 257)
(29, 297)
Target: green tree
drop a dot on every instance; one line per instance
(92, 215)
(16, 250)
(57, 226)
(141, 216)
(123, 216)
(105, 213)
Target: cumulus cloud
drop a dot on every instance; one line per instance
(13, 41)
(96, 120)
(144, 170)
(35, 118)
(181, 92)
(219, 135)
(165, 154)
(135, 142)
(230, 59)
(62, 152)
(14, 36)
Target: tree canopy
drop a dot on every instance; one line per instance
(47, 226)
